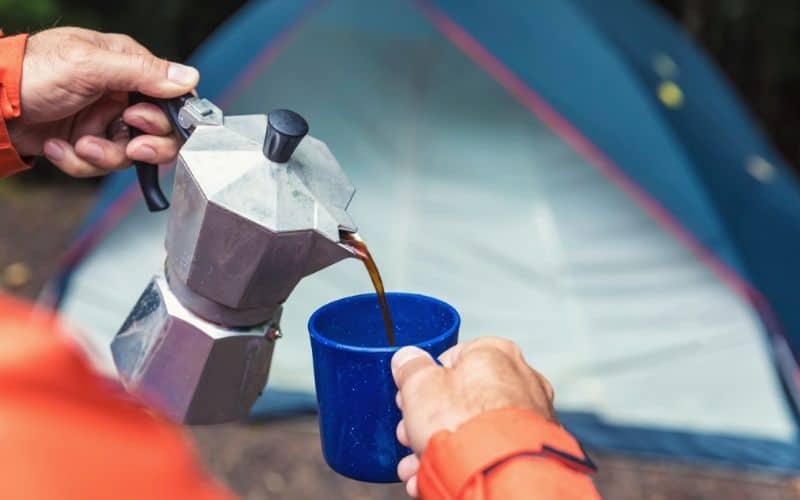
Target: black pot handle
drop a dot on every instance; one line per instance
(147, 173)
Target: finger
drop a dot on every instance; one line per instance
(143, 73)
(95, 119)
(411, 487)
(407, 467)
(153, 149)
(398, 400)
(62, 155)
(546, 385)
(148, 118)
(102, 153)
(549, 391)
(409, 361)
(450, 356)
(401, 433)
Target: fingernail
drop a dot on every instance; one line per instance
(53, 151)
(92, 151)
(406, 354)
(145, 153)
(136, 121)
(411, 487)
(181, 74)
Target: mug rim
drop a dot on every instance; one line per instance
(319, 337)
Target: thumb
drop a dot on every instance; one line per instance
(144, 73)
(409, 361)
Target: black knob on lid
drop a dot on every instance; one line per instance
(285, 130)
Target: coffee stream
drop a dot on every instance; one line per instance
(362, 252)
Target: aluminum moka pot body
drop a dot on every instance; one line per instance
(244, 228)
(256, 206)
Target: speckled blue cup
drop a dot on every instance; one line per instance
(353, 377)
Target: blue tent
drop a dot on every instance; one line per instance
(572, 174)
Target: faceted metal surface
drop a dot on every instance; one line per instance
(310, 191)
(194, 371)
(244, 230)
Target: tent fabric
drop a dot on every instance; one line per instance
(517, 173)
(719, 231)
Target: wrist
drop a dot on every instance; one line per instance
(22, 144)
(453, 459)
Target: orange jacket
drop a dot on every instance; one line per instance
(12, 49)
(68, 433)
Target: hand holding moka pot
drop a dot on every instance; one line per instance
(256, 206)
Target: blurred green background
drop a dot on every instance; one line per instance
(170, 28)
(754, 41)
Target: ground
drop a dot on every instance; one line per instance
(281, 458)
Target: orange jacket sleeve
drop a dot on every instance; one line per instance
(12, 50)
(505, 454)
(66, 432)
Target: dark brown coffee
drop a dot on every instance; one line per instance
(362, 252)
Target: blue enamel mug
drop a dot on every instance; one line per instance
(352, 374)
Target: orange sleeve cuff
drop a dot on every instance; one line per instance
(12, 50)
(460, 461)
